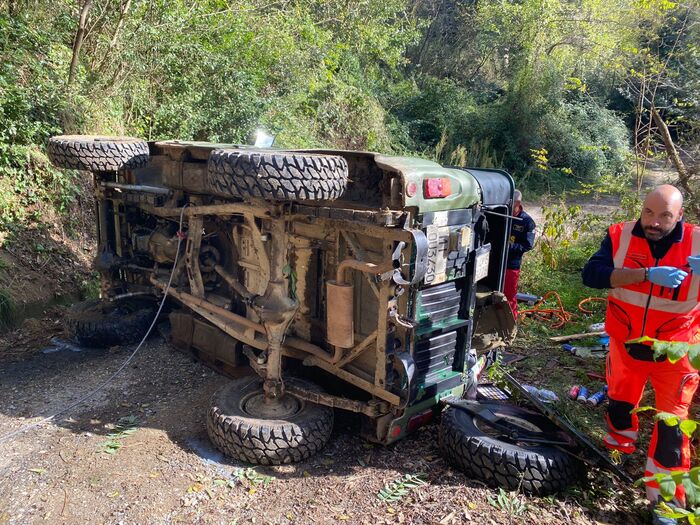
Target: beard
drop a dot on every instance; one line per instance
(654, 234)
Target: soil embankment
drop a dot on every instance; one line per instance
(44, 266)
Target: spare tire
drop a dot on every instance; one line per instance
(482, 454)
(93, 153)
(99, 324)
(243, 426)
(274, 175)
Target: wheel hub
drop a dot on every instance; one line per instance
(257, 406)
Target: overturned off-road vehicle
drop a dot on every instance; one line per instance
(341, 279)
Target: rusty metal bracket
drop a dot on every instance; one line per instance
(259, 368)
(361, 256)
(355, 352)
(353, 379)
(258, 246)
(194, 242)
(371, 409)
(419, 264)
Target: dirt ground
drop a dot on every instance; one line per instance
(166, 471)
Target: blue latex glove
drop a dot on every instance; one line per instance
(694, 263)
(667, 276)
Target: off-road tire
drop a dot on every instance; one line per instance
(93, 153)
(98, 324)
(277, 176)
(535, 469)
(266, 441)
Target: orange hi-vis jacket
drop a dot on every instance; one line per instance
(647, 309)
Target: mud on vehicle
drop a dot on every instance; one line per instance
(381, 273)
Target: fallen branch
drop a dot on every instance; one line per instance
(571, 337)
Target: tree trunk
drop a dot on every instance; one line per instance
(115, 36)
(78, 42)
(684, 175)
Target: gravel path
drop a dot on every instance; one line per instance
(167, 472)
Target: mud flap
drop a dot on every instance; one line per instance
(494, 322)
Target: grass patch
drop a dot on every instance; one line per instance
(90, 288)
(8, 309)
(538, 278)
(548, 365)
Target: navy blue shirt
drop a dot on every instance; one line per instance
(596, 273)
(522, 239)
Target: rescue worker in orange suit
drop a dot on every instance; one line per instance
(522, 239)
(652, 267)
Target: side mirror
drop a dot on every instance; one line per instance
(263, 140)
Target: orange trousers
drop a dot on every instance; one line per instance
(674, 386)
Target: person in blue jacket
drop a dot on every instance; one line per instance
(522, 239)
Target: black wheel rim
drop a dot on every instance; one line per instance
(255, 405)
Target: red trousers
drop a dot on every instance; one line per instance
(674, 386)
(510, 289)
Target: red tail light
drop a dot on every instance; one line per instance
(437, 188)
(419, 420)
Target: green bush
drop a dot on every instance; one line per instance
(33, 104)
(7, 309)
(586, 138)
(427, 107)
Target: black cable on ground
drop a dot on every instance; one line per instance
(87, 396)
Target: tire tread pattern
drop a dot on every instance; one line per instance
(92, 153)
(268, 442)
(88, 326)
(540, 472)
(281, 176)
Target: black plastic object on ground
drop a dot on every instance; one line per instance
(528, 298)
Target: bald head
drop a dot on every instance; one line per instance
(661, 211)
(517, 201)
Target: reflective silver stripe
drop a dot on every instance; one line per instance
(695, 247)
(610, 440)
(652, 468)
(663, 304)
(694, 287)
(628, 433)
(629, 296)
(625, 238)
(673, 307)
(653, 493)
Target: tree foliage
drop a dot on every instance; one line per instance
(461, 81)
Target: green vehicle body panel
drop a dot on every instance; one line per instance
(465, 189)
